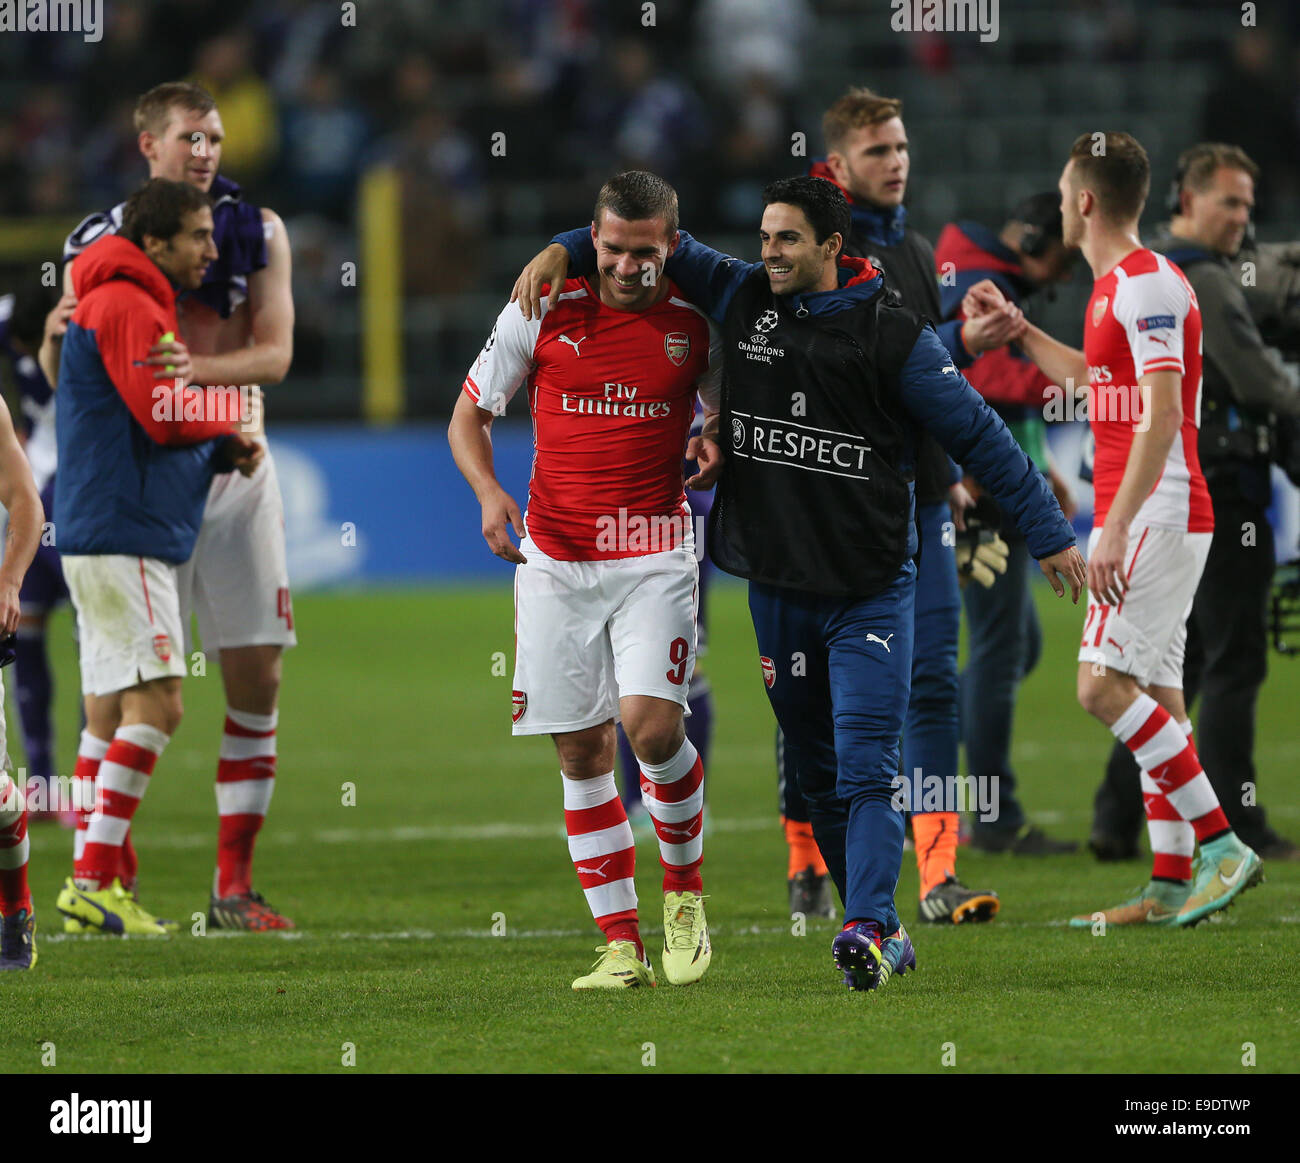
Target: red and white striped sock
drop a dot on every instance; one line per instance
(122, 781)
(603, 852)
(1173, 840)
(1167, 755)
(90, 753)
(245, 780)
(14, 847)
(673, 794)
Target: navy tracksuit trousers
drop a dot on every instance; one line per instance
(841, 673)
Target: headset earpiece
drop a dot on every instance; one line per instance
(1033, 241)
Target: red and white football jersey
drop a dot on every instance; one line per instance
(1143, 317)
(612, 395)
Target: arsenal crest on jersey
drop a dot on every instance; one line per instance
(162, 646)
(769, 669)
(519, 700)
(1099, 309)
(677, 346)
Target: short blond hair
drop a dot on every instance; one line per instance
(154, 110)
(857, 108)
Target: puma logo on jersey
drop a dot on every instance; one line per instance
(883, 642)
(572, 344)
(949, 370)
(595, 871)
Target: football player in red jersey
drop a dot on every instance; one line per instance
(1153, 524)
(606, 576)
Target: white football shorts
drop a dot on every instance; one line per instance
(237, 579)
(588, 633)
(1146, 634)
(128, 620)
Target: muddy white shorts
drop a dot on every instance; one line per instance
(128, 620)
(588, 633)
(1146, 634)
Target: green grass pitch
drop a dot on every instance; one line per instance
(455, 830)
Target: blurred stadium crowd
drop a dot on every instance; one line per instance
(709, 97)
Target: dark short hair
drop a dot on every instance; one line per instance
(635, 195)
(1118, 174)
(154, 110)
(1040, 210)
(158, 207)
(822, 202)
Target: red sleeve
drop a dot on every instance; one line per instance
(168, 414)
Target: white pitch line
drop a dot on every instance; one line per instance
(43, 840)
(485, 934)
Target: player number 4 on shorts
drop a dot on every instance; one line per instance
(284, 607)
(679, 650)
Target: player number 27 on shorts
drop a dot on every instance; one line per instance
(1101, 624)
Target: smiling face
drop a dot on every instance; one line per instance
(184, 258)
(188, 149)
(873, 163)
(796, 262)
(630, 257)
(1219, 214)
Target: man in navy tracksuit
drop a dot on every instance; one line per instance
(826, 387)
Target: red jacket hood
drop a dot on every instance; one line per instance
(957, 247)
(863, 271)
(823, 170)
(114, 258)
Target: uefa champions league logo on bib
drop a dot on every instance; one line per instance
(766, 321)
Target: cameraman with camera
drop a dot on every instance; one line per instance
(1247, 400)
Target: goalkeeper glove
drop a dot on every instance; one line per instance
(982, 555)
